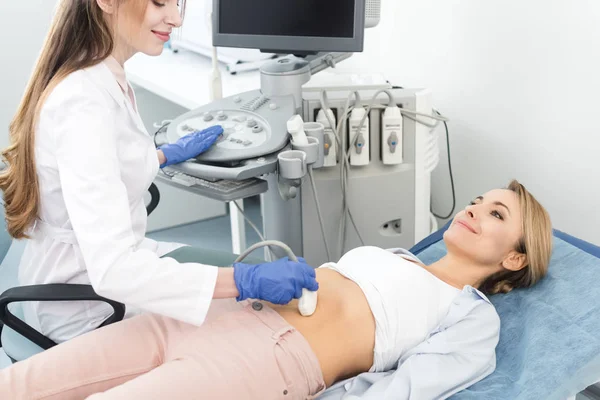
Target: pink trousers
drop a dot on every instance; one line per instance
(243, 351)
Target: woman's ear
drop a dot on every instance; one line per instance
(515, 261)
(108, 6)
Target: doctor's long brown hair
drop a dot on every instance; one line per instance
(79, 37)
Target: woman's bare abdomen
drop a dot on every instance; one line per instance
(341, 331)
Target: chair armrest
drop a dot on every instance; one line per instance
(154, 198)
(50, 292)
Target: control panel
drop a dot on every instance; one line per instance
(241, 130)
(254, 125)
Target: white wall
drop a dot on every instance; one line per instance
(25, 24)
(519, 80)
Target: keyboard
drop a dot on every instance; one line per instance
(223, 190)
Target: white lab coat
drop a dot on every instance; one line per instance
(95, 161)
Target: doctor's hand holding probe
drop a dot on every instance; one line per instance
(77, 169)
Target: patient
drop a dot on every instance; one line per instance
(374, 307)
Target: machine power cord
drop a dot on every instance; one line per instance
(249, 222)
(321, 223)
(451, 175)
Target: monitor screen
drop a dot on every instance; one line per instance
(290, 25)
(325, 18)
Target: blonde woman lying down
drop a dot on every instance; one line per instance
(377, 311)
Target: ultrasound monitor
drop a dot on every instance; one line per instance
(300, 27)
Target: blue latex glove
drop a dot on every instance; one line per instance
(277, 282)
(190, 146)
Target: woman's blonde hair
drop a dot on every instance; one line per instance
(536, 244)
(80, 36)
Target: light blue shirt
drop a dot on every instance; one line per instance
(455, 355)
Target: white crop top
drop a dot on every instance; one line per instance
(406, 300)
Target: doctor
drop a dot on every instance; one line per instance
(79, 164)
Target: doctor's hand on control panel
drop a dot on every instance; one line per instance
(189, 146)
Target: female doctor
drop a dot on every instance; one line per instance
(79, 164)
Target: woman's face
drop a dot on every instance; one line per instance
(145, 26)
(488, 230)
